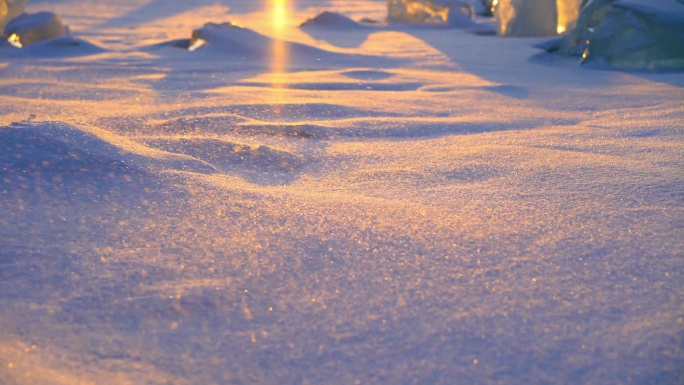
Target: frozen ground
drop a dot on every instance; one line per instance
(369, 205)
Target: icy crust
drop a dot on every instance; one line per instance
(52, 148)
(639, 34)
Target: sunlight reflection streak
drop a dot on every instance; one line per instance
(280, 14)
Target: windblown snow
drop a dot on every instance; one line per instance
(343, 202)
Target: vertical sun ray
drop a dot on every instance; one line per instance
(279, 20)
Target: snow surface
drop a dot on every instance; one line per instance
(378, 205)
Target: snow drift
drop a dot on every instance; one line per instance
(57, 148)
(200, 218)
(217, 41)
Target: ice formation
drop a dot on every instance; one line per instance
(635, 34)
(527, 17)
(591, 15)
(441, 12)
(27, 29)
(568, 11)
(9, 9)
(536, 17)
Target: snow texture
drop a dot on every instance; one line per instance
(382, 205)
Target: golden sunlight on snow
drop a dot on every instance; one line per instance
(280, 18)
(280, 14)
(355, 202)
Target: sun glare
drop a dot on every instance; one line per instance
(279, 14)
(280, 17)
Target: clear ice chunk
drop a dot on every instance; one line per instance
(527, 18)
(568, 11)
(439, 12)
(27, 29)
(591, 15)
(9, 9)
(639, 35)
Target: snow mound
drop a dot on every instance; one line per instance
(230, 39)
(219, 41)
(57, 148)
(639, 34)
(331, 20)
(28, 29)
(62, 46)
